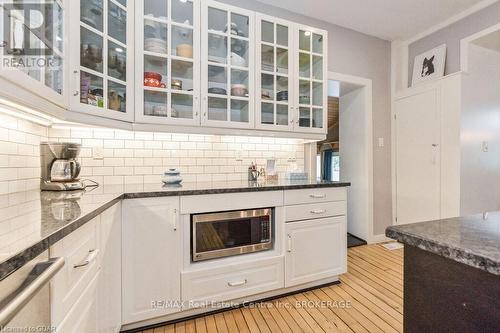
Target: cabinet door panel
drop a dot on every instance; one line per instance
(316, 250)
(101, 59)
(167, 62)
(109, 284)
(311, 99)
(151, 258)
(274, 82)
(227, 58)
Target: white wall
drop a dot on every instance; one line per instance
(353, 160)
(451, 36)
(480, 171)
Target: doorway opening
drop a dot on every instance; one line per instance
(346, 153)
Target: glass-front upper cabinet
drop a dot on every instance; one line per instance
(102, 60)
(227, 66)
(167, 61)
(311, 82)
(33, 43)
(274, 80)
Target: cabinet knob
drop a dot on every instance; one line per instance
(76, 93)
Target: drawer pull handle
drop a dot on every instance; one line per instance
(320, 211)
(289, 243)
(90, 257)
(317, 196)
(237, 284)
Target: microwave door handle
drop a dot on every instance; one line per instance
(28, 290)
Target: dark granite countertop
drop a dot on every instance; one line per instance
(470, 240)
(32, 221)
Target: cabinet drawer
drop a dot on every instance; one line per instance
(314, 195)
(80, 251)
(232, 282)
(82, 318)
(314, 211)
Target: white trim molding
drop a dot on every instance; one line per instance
(366, 84)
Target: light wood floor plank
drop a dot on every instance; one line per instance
(373, 285)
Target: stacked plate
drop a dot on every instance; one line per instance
(155, 45)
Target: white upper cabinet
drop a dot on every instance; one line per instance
(311, 82)
(227, 61)
(102, 58)
(36, 63)
(167, 62)
(274, 81)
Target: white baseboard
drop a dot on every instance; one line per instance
(379, 239)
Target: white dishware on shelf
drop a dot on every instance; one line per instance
(155, 45)
(237, 60)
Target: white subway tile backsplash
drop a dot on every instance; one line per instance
(137, 157)
(134, 144)
(143, 153)
(124, 171)
(114, 144)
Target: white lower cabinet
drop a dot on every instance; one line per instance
(86, 293)
(110, 281)
(80, 250)
(82, 318)
(315, 249)
(151, 258)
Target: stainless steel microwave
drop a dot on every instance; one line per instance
(216, 235)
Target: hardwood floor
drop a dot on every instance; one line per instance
(369, 299)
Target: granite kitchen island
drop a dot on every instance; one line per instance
(451, 274)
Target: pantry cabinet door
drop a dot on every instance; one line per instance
(167, 61)
(275, 74)
(101, 58)
(227, 58)
(311, 68)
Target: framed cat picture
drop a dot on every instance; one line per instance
(429, 65)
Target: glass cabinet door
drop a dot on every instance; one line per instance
(38, 52)
(167, 70)
(311, 81)
(274, 84)
(103, 86)
(227, 63)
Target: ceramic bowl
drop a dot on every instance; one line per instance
(184, 50)
(239, 90)
(172, 176)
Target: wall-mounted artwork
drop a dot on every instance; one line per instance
(429, 65)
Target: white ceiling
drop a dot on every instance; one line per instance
(386, 19)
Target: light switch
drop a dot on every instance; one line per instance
(97, 153)
(381, 142)
(484, 146)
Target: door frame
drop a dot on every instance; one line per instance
(310, 151)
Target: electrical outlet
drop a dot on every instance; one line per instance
(97, 153)
(381, 142)
(238, 156)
